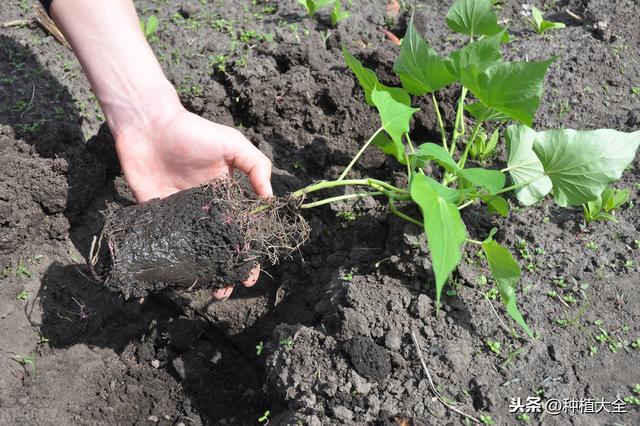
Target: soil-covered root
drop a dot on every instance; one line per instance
(206, 237)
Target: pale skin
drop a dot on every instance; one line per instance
(162, 147)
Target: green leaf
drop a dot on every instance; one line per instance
(581, 164)
(337, 14)
(496, 204)
(483, 113)
(394, 115)
(506, 273)
(420, 68)
(524, 165)
(313, 6)
(449, 194)
(431, 151)
(512, 88)
(475, 57)
(151, 26)
(444, 227)
(386, 144)
(368, 80)
(491, 180)
(473, 17)
(540, 24)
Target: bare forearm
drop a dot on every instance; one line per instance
(121, 67)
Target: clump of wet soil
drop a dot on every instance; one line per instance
(208, 237)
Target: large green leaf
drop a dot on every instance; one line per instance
(395, 116)
(368, 80)
(386, 144)
(444, 227)
(475, 57)
(525, 166)
(506, 273)
(491, 180)
(449, 194)
(420, 68)
(473, 17)
(512, 88)
(431, 151)
(581, 164)
(483, 113)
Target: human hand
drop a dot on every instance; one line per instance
(176, 150)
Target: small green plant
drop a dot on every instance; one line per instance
(286, 342)
(604, 207)
(26, 360)
(524, 417)
(265, 418)
(23, 295)
(574, 167)
(259, 348)
(591, 245)
(347, 215)
(313, 6)
(337, 14)
(494, 346)
(43, 340)
(483, 147)
(487, 420)
(540, 25)
(150, 27)
(21, 270)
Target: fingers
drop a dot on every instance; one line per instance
(253, 277)
(249, 160)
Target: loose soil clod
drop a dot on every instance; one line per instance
(205, 237)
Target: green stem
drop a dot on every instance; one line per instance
(469, 240)
(520, 185)
(443, 133)
(467, 204)
(458, 127)
(360, 152)
(392, 209)
(340, 198)
(474, 134)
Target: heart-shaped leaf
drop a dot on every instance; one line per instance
(431, 151)
(420, 68)
(512, 88)
(394, 115)
(525, 166)
(386, 144)
(581, 164)
(473, 17)
(475, 57)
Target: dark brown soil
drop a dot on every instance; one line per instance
(334, 323)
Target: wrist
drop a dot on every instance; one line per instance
(136, 108)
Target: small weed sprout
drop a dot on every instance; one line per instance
(23, 295)
(259, 348)
(487, 420)
(337, 14)
(603, 208)
(494, 346)
(540, 25)
(149, 28)
(312, 6)
(264, 419)
(21, 270)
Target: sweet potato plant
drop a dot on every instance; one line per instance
(575, 167)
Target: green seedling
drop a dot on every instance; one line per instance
(265, 418)
(259, 348)
(43, 340)
(574, 167)
(540, 25)
(494, 346)
(524, 417)
(347, 215)
(591, 245)
(26, 360)
(635, 90)
(635, 344)
(150, 27)
(286, 342)
(313, 6)
(604, 207)
(483, 147)
(337, 14)
(21, 270)
(487, 420)
(23, 295)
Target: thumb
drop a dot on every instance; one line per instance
(252, 162)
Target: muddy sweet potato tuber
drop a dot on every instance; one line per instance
(205, 237)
